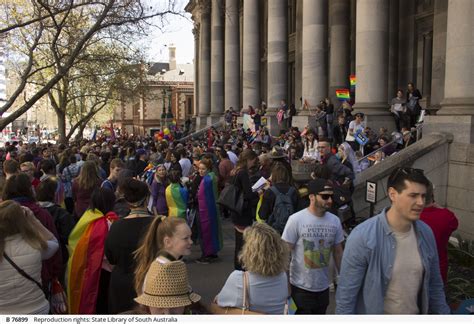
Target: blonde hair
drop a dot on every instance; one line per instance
(152, 244)
(89, 176)
(13, 220)
(28, 165)
(264, 252)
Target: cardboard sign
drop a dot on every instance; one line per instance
(371, 192)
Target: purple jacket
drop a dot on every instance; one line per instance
(158, 193)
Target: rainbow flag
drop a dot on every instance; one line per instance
(343, 94)
(177, 200)
(86, 253)
(352, 80)
(209, 219)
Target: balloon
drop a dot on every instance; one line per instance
(166, 131)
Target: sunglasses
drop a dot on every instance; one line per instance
(326, 196)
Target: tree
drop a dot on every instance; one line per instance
(107, 72)
(48, 39)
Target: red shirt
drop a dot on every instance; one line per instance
(442, 222)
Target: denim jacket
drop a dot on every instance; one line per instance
(367, 264)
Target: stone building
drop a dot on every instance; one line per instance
(249, 51)
(166, 95)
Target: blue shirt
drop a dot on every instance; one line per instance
(367, 268)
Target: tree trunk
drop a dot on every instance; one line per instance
(61, 126)
(80, 133)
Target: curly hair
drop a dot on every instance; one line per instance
(264, 252)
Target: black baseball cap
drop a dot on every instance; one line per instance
(318, 186)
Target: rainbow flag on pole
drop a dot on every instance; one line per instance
(343, 94)
(352, 80)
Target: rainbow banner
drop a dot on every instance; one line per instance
(209, 219)
(343, 94)
(177, 200)
(86, 254)
(352, 80)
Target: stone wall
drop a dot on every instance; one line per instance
(449, 166)
(460, 195)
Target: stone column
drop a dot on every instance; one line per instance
(406, 41)
(440, 21)
(459, 82)
(251, 54)
(353, 35)
(339, 54)
(314, 75)
(298, 53)
(232, 55)
(456, 115)
(196, 71)
(393, 49)
(372, 56)
(427, 66)
(217, 59)
(204, 66)
(277, 53)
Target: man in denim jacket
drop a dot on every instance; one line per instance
(390, 262)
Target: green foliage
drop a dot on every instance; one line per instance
(463, 254)
(460, 285)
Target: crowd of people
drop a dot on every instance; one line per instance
(104, 226)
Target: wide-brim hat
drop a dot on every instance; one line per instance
(167, 286)
(276, 153)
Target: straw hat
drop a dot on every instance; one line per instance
(167, 286)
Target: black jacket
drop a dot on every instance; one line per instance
(64, 223)
(247, 216)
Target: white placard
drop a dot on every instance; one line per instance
(371, 192)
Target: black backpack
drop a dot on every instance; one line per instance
(282, 209)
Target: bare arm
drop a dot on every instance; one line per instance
(338, 251)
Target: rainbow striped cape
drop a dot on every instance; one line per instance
(177, 200)
(209, 220)
(86, 253)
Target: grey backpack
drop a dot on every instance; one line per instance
(282, 209)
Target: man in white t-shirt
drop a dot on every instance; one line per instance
(185, 163)
(313, 234)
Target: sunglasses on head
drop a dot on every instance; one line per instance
(326, 196)
(407, 171)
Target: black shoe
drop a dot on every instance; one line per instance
(203, 260)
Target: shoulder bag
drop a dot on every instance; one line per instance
(23, 273)
(57, 302)
(231, 198)
(244, 310)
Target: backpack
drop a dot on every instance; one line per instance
(282, 209)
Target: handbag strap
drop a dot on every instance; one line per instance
(22, 272)
(245, 302)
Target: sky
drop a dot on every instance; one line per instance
(177, 30)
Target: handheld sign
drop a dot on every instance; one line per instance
(361, 138)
